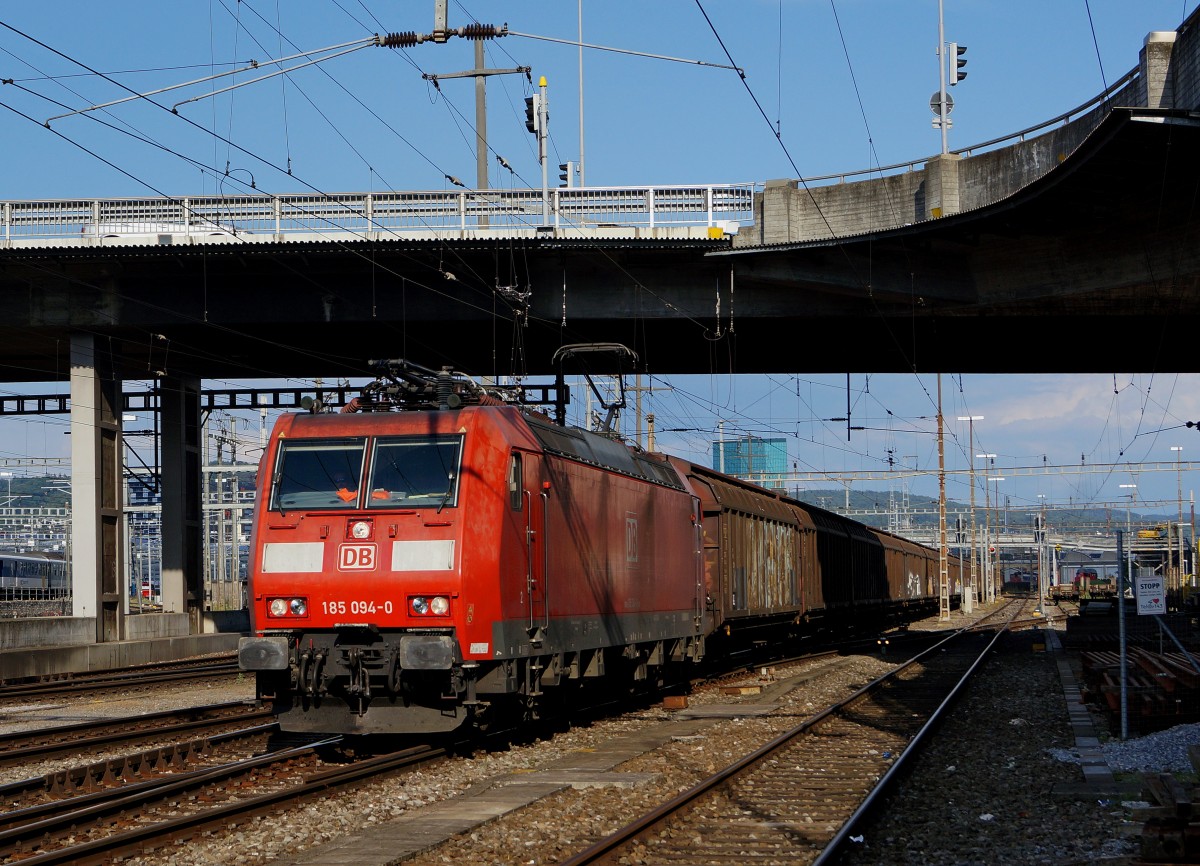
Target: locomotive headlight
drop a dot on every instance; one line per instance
(288, 607)
(360, 529)
(424, 605)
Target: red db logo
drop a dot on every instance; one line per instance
(356, 557)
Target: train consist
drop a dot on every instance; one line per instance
(32, 575)
(444, 556)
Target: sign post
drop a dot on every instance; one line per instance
(1151, 599)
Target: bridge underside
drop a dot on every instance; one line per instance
(1094, 267)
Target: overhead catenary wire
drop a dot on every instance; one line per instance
(1134, 434)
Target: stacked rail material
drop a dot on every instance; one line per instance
(1163, 689)
(1099, 629)
(1171, 829)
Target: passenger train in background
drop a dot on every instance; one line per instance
(444, 556)
(32, 576)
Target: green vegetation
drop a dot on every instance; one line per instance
(27, 491)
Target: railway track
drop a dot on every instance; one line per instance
(37, 745)
(797, 798)
(135, 678)
(300, 775)
(111, 823)
(67, 791)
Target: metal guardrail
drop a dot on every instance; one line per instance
(377, 216)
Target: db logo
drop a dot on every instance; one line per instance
(354, 557)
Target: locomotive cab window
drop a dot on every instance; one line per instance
(516, 478)
(415, 472)
(318, 473)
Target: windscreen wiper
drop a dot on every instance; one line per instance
(446, 497)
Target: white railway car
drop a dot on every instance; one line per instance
(32, 575)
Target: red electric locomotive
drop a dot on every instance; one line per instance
(466, 557)
(417, 569)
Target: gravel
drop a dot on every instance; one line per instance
(1000, 784)
(993, 789)
(1162, 752)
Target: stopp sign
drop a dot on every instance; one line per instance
(356, 557)
(1150, 596)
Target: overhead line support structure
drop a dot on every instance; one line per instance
(1010, 471)
(479, 33)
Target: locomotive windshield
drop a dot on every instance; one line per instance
(415, 472)
(318, 473)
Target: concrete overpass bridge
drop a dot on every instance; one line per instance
(1055, 251)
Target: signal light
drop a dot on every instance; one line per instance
(957, 62)
(566, 172)
(532, 111)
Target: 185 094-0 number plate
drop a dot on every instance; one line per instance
(356, 607)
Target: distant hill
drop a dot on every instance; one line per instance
(53, 491)
(922, 510)
(41, 491)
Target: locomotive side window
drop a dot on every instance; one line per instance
(515, 487)
(415, 472)
(316, 473)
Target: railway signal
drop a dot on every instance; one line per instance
(533, 113)
(957, 62)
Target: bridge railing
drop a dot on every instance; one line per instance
(377, 215)
(1123, 87)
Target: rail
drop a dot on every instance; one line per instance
(376, 216)
(791, 807)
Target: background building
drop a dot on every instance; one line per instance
(763, 461)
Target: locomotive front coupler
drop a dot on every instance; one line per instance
(310, 664)
(468, 671)
(395, 677)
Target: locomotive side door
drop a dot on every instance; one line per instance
(532, 498)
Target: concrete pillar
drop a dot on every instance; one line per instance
(97, 551)
(182, 568)
(775, 219)
(1156, 71)
(941, 186)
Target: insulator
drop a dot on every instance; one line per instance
(478, 31)
(407, 39)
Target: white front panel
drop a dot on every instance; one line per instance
(306, 556)
(423, 555)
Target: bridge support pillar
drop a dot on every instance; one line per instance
(97, 540)
(182, 571)
(1156, 71)
(941, 186)
(774, 216)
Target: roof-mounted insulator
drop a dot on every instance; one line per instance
(400, 40)
(479, 31)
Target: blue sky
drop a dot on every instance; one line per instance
(846, 83)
